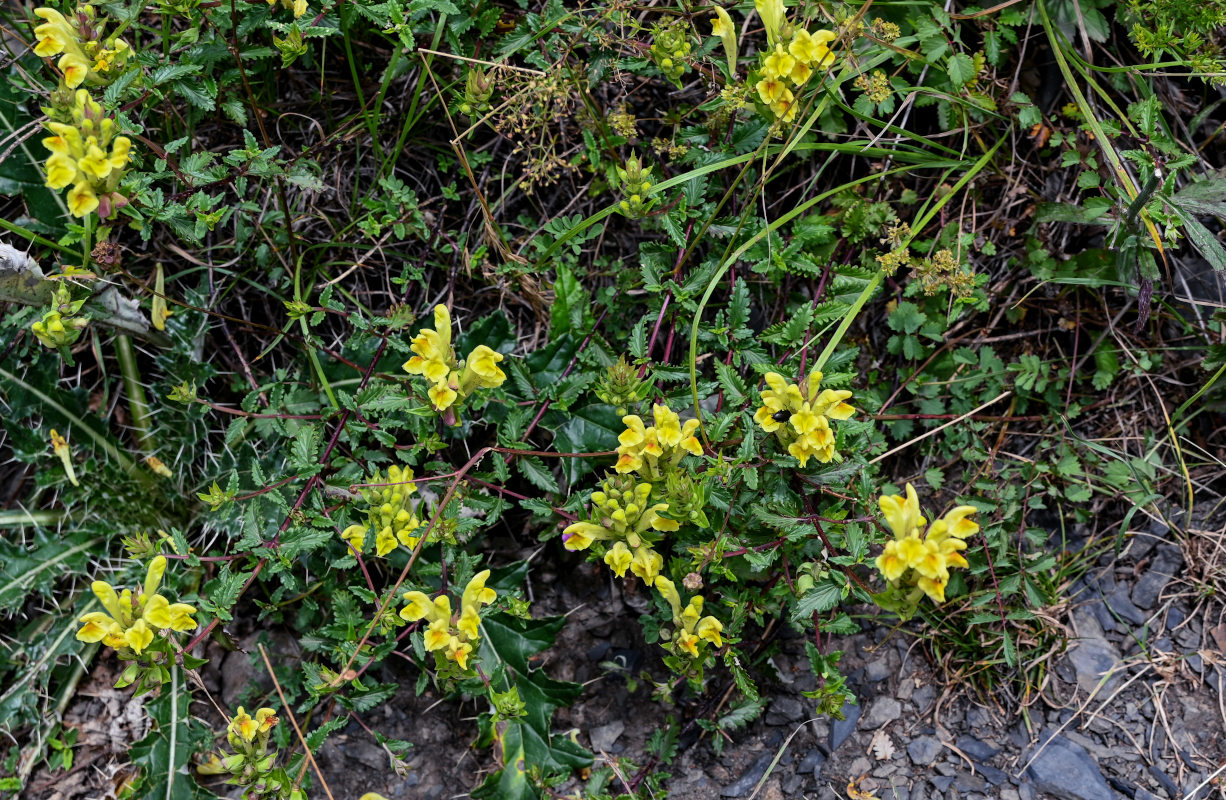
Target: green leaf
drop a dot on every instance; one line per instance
(509, 642)
(1204, 241)
(570, 305)
(825, 595)
(587, 429)
(961, 69)
(164, 752)
(532, 468)
(1203, 197)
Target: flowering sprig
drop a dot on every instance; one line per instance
(86, 56)
(791, 58)
(799, 416)
(451, 637)
(653, 451)
(89, 157)
(693, 631)
(390, 513)
(451, 380)
(132, 623)
(622, 513)
(251, 765)
(918, 558)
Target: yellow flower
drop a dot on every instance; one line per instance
(646, 564)
(618, 558)
(81, 200)
(55, 35)
(355, 535)
(933, 587)
(771, 90)
(724, 29)
(773, 17)
(822, 55)
(457, 651)
(784, 109)
(903, 514)
(265, 719)
(438, 635)
(75, 69)
(61, 170)
(476, 593)
(668, 590)
(442, 396)
(432, 349)
(59, 446)
(580, 535)
(778, 64)
(710, 628)
(244, 726)
(138, 637)
(688, 642)
(300, 8)
(420, 606)
(800, 73)
(484, 363)
(96, 626)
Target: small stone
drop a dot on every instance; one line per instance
(883, 710)
(1092, 658)
(1145, 794)
(1009, 793)
(975, 748)
(1154, 579)
(841, 729)
(750, 777)
(978, 717)
(970, 783)
(1025, 790)
(1065, 770)
(784, 710)
(1121, 604)
(942, 783)
(860, 767)
(923, 750)
(605, 736)
(879, 670)
(1168, 785)
(995, 776)
(812, 764)
(924, 697)
(899, 792)
(791, 785)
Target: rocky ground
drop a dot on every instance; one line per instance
(1133, 707)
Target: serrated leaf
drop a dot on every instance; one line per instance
(532, 468)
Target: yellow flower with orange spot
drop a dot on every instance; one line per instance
(452, 637)
(920, 554)
(799, 415)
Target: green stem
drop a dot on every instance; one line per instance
(15, 519)
(138, 405)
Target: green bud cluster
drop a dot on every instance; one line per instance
(634, 181)
(669, 48)
(686, 497)
(478, 89)
(621, 386)
(61, 325)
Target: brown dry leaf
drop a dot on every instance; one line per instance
(1219, 637)
(858, 794)
(881, 746)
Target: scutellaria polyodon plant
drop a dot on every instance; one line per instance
(451, 381)
(799, 415)
(451, 637)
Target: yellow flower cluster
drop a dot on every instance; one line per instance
(89, 157)
(244, 728)
(131, 622)
(84, 55)
(924, 559)
(624, 514)
(647, 449)
(450, 380)
(799, 415)
(390, 514)
(794, 65)
(692, 628)
(455, 638)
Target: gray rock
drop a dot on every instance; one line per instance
(791, 785)
(978, 717)
(883, 710)
(976, 748)
(1066, 771)
(1092, 658)
(898, 792)
(923, 750)
(1168, 785)
(604, 737)
(1151, 583)
(812, 763)
(942, 783)
(879, 670)
(969, 783)
(1025, 790)
(784, 710)
(1120, 604)
(743, 785)
(924, 697)
(994, 776)
(841, 729)
(1145, 794)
